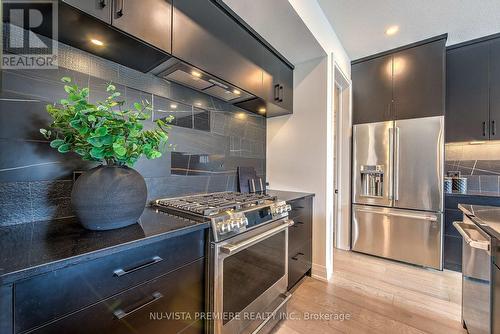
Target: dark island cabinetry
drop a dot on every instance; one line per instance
(452, 251)
(150, 287)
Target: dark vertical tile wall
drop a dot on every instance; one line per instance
(36, 181)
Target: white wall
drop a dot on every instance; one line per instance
(297, 150)
(314, 18)
(300, 146)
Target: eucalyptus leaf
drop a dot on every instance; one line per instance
(107, 130)
(56, 143)
(64, 148)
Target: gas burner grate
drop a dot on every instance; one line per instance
(207, 205)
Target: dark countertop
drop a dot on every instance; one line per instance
(488, 217)
(38, 247)
(288, 195)
(476, 193)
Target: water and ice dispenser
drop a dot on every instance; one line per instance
(372, 180)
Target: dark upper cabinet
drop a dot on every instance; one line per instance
(277, 81)
(82, 21)
(205, 37)
(148, 20)
(372, 90)
(467, 93)
(419, 81)
(100, 9)
(406, 83)
(494, 89)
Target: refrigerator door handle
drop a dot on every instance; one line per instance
(391, 165)
(396, 165)
(385, 212)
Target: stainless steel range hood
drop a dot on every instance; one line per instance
(186, 75)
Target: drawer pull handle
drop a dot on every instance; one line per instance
(296, 257)
(121, 272)
(300, 223)
(298, 207)
(120, 314)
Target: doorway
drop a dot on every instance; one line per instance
(342, 159)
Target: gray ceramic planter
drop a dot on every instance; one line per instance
(109, 197)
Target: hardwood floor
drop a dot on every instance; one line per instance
(376, 296)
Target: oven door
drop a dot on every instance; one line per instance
(250, 278)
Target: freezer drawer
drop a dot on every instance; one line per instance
(410, 236)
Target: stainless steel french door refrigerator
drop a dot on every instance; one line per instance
(398, 190)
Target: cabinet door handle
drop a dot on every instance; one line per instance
(493, 128)
(122, 272)
(119, 9)
(276, 92)
(300, 223)
(484, 129)
(103, 3)
(120, 314)
(281, 93)
(296, 257)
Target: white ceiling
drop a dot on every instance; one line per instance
(361, 24)
(278, 23)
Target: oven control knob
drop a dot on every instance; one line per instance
(234, 223)
(224, 227)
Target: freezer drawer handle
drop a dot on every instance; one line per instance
(484, 245)
(431, 218)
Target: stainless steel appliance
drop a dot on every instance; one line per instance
(495, 311)
(476, 277)
(398, 190)
(248, 262)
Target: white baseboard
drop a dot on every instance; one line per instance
(319, 272)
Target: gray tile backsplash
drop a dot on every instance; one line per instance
(36, 181)
(480, 164)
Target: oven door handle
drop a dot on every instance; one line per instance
(236, 247)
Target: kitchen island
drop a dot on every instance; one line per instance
(58, 277)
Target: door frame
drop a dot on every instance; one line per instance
(342, 139)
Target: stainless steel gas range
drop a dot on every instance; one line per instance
(248, 261)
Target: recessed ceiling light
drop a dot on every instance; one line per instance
(237, 92)
(173, 106)
(196, 74)
(392, 30)
(262, 110)
(96, 42)
(241, 115)
(198, 104)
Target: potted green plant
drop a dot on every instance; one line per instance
(112, 195)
